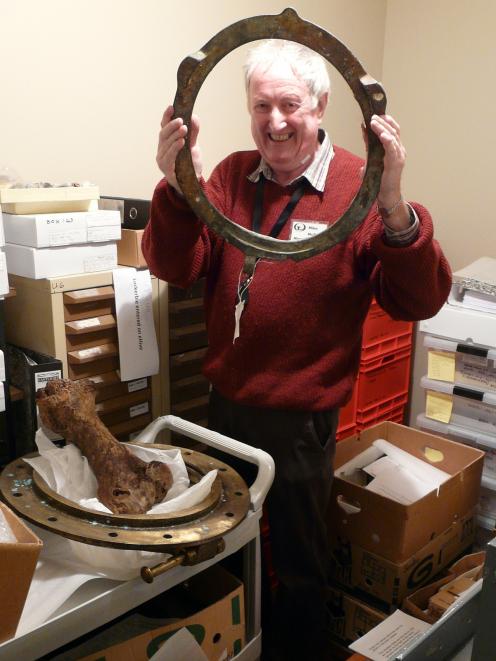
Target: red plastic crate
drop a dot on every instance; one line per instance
(379, 327)
(344, 432)
(383, 378)
(388, 345)
(395, 415)
(388, 410)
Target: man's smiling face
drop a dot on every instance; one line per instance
(284, 120)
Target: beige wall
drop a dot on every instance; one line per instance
(439, 71)
(84, 84)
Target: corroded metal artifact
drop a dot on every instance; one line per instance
(368, 92)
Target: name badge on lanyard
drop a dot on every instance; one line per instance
(303, 229)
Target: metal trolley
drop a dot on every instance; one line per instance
(99, 602)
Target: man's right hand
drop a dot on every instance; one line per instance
(171, 140)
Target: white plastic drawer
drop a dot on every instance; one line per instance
(485, 442)
(463, 325)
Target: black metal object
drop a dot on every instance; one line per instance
(368, 93)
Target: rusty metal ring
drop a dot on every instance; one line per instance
(368, 93)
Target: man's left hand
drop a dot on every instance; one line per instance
(387, 130)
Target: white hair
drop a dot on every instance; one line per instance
(308, 65)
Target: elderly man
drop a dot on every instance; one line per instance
(283, 365)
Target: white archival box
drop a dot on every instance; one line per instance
(462, 324)
(58, 261)
(62, 228)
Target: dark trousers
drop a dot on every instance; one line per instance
(302, 445)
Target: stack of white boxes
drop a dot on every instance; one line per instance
(4, 290)
(4, 280)
(460, 389)
(57, 231)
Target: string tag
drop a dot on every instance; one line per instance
(244, 281)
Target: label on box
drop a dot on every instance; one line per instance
(99, 263)
(137, 384)
(138, 348)
(476, 371)
(100, 234)
(441, 365)
(66, 237)
(42, 378)
(393, 636)
(438, 406)
(89, 323)
(139, 409)
(477, 411)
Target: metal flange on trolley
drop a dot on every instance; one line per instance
(190, 535)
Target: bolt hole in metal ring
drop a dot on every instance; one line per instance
(368, 93)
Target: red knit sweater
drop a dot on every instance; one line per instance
(300, 334)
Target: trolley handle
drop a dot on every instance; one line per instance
(265, 463)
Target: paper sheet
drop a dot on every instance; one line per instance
(399, 485)
(138, 348)
(438, 405)
(58, 575)
(393, 636)
(182, 645)
(441, 365)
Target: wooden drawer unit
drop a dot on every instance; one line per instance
(183, 339)
(188, 388)
(184, 365)
(109, 385)
(73, 319)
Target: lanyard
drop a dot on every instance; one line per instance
(244, 282)
(246, 276)
(286, 212)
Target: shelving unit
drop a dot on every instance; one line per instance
(463, 343)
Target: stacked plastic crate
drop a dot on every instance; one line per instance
(381, 389)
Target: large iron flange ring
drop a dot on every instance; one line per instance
(217, 514)
(368, 93)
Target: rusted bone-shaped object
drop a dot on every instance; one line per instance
(126, 484)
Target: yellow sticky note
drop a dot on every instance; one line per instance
(441, 365)
(438, 406)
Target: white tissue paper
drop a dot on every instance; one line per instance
(65, 567)
(68, 473)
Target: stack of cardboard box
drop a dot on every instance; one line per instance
(383, 550)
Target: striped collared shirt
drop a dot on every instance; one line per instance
(316, 175)
(316, 172)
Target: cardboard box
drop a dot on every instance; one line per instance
(129, 249)
(59, 261)
(387, 528)
(357, 569)
(351, 618)
(417, 604)
(17, 564)
(210, 605)
(48, 200)
(62, 229)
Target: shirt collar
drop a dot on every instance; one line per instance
(316, 172)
